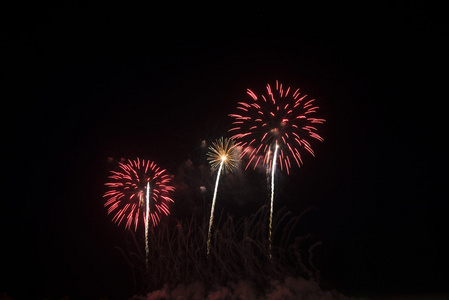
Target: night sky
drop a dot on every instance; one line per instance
(86, 83)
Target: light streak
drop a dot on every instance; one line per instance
(273, 169)
(211, 219)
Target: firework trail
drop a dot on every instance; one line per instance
(224, 154)
(273, 168)
(129, 196)
(275, 126)
(147, 221)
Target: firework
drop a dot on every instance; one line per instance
(126, 199)
(129, 196)
(275, 126)
(224, 155)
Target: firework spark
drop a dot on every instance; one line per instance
(224, 155)
(128, 193)
(281, 115)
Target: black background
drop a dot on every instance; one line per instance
(87, 82)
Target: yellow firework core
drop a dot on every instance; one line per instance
(223, 150)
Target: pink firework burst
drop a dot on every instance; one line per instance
(281, 116)
(127, 189)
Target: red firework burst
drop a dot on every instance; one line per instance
(127, 190)
(282, 115)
